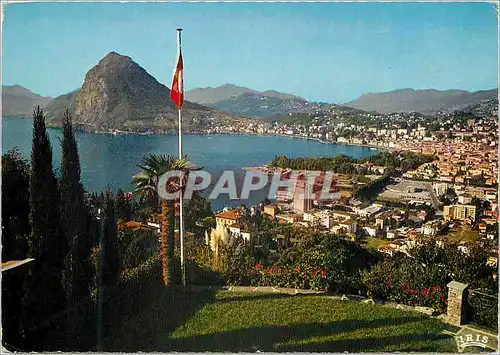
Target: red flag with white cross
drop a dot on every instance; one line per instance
(177, 89)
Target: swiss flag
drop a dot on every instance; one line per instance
(177, 90)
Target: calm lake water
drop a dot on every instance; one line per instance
(109, 161)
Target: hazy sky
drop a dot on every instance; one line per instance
(330, 52)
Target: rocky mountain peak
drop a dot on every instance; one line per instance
(118, 92)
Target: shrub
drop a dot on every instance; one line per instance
(305, 277)
(340, 259)
(319, 262)
(483, 308)
(237, 262)
(405, 280)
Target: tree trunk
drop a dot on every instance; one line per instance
(167, 242)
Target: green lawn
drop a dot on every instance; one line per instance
(227, 321)
(374, 243)
(463, 233)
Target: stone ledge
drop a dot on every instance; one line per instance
(336, 296)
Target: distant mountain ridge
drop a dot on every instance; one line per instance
(429, 101)
(259, 106)
(239, 100)
(118, 93)
(210, 95)
(19, 101)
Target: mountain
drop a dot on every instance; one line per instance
(119, 94)
(483, 108)
(258, 105)
(19, 101)
(212, 95)
(428, 101)
(238, 100)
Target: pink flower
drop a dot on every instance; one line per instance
(275, 267)
(297, 269)
(258, 266)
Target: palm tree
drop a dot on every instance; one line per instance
(153, 166)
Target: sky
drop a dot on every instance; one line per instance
(329, 52)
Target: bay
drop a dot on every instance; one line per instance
(110, 161)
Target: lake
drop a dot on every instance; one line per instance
(109, 161)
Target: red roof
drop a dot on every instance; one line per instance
(228, 215)
(347, 222)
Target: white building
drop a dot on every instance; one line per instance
(372, 232)
(440, 188)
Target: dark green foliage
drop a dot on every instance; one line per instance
(195, 211)
(342, 260)
(136, 247)
(123, 207)
(339, 164)
(74, 219)
(15, 206)
(482, 307)
(422, 278)
(408, 281)
(318, 261)
(471, 268)
(238, 262)
(15, 231)
(372, 189)
(12, 294)
(133, 290)
(199, 261)
(44, 293)
(402, 161)
(109, 244)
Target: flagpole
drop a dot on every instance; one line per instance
(181, 208)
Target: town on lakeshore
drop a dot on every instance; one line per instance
(459, 185)
(354, 210)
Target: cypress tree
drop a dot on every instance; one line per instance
(74, 221)
(111, 259)
(15, 206)
(123, 208)
(15, 231)
(43, 294)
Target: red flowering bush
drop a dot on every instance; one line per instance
(320, 262)
(421, 279)
(408, 282)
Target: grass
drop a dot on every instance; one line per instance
(463, 233)
(374, 243)
(213, 320)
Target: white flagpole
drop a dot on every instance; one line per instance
(181, 214)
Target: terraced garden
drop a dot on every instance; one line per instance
(211, 320)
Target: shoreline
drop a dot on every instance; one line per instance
(116, 132)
